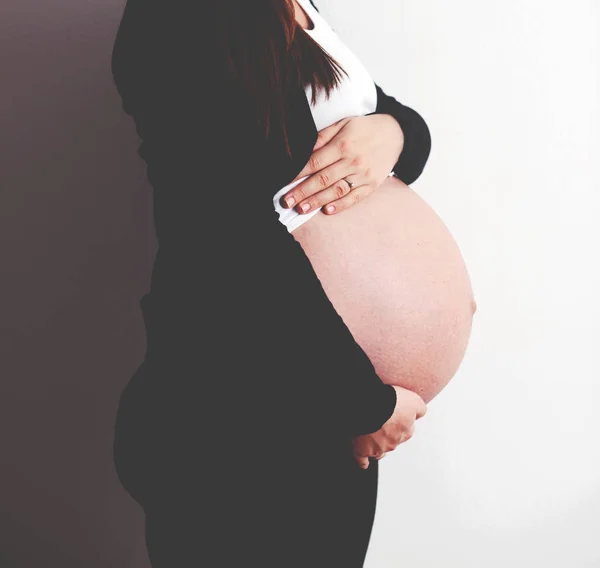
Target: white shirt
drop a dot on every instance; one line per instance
(355, 96)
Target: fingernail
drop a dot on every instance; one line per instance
(290, 201)
(305, 207)
(330, 209)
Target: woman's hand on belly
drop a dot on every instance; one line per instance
(360, 149)
(398, 429)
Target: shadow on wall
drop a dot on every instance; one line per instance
(77, 246)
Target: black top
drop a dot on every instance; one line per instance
(228, 276)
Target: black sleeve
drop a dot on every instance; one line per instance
(417, 138)
(238, 284)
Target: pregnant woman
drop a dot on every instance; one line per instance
(388, 264)
(284, 349)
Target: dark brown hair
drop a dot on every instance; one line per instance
(267, 51)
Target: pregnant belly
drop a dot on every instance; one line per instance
(395, 275)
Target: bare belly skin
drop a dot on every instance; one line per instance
(395, 275)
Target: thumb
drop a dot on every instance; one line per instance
(362, 462)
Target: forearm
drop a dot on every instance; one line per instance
(242, 292)
(335, 382)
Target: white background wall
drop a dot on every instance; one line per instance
(504, 470)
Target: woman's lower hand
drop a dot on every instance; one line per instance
(360, 149)
(398, 429)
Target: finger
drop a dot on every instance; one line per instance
(348, 200)
(381, 456)
(320, 159)
(337, 188)
(327, 134)
(304, 193)
(362, 462)
(408, 434)
(421, 411)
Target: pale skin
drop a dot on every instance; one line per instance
(361, 149)
(397, 430)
